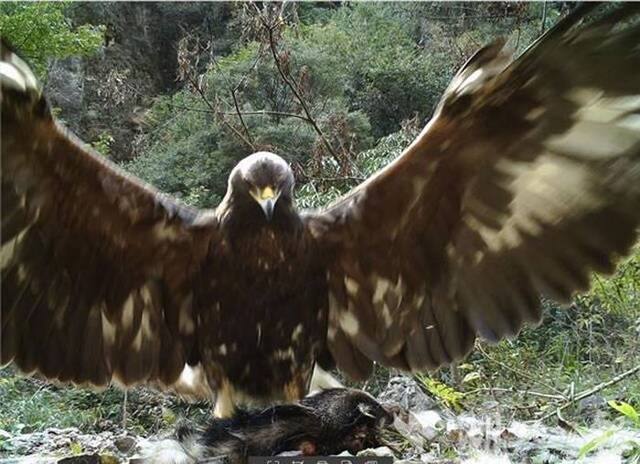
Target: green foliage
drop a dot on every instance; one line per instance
(187, 154)
(632, 454)
(579, 346)
(446, 394)
(621, 294)
(362, 70)
(366, 55)
(595, 443)
(627, 411)
(103, 144)
(41, 30)
(318, 193)
(75, 448)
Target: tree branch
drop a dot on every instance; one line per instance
(293, 86)
(213, 110)
(513, 390)
(591, 391)
(244, 113)
(239, 114)
(336, 179)
(234, 89)
(274, 113)
(543, 22)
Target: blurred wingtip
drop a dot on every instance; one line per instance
(15, 73)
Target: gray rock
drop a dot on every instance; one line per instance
(65, 89)
(592, 403)
(407, 393)
(125, 444)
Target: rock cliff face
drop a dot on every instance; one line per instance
(108, 92)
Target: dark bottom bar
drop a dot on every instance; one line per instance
(320, 460)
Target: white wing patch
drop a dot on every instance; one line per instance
(297, 332)
(283, 355)
(387, 297)
(127, 312)
(381, 287)
(108, 331)
(8, 249)
(352, 286)
(135, 329)
(349, 323)
(186, 324)
(554, 186)
(137, 342)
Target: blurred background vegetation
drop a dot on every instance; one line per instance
(178, 93)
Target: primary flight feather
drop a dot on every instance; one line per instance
(525, 181)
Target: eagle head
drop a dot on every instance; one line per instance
(263, 178)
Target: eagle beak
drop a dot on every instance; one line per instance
(266, 198)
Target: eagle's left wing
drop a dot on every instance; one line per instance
(526, 180)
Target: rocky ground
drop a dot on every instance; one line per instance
(426, 434)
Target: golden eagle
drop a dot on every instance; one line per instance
(526, 180)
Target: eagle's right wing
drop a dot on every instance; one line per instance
(96, 265)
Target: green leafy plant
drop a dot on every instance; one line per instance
(76, 448)
(41, 31)
(103, 144)
(627, 411)
(447, 395)
(595, 443)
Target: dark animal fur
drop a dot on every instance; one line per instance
(326, 423)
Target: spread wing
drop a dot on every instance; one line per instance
(96, 266)
(525, 181)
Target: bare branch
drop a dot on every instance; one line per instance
(222, 119)
(337, 179)
(283, 114)
(513, 390)
(543, 22)
(239, 114)
(244, 78)
(293, 85)
(241, 83)
(188, 60)
(244, 113)
(592, 391)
